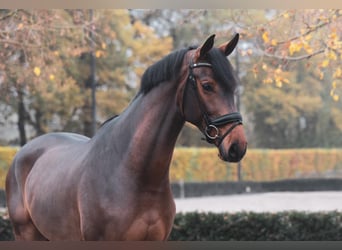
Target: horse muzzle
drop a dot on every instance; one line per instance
(233, 147)
(235, 152)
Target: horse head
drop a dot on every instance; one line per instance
(206, 98)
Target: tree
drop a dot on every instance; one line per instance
(293, 102)
(28, 64)
(46, 65)
(312, 33)
(125, 49)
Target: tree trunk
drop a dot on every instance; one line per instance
(38, 124)
(21, 118)
(87, 117)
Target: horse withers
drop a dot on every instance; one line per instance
(115, 186)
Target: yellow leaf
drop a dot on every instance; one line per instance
(278, 71)
(274, 42)
(36, 71)
(336, 98)
(268, 80)
(294, 47)
(286, 15)
(20, 26)
(285, 80)
(325, 63)
(51, 77)
(99, 53)
(332, 55)
(308, 37)
(279, 83)
(264, 66)
(337, 73)
(333, 35)
(104, 46)
(265, 37)
(309, 50)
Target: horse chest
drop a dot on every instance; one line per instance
(125, 217)
(150, 226)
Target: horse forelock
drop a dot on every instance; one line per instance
(222, 69)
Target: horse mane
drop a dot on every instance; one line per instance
(169, 67)
(164, 70)
(108, 120)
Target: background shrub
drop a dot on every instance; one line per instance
(243, 226)
(6, 232)
(203, 164)
(251, 226)
(6, 157)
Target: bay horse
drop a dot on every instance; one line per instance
(115, 186)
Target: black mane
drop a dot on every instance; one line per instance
(163, 70)
(169, 67)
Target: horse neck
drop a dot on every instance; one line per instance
(145, 135)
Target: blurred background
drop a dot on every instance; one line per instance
(70, 70)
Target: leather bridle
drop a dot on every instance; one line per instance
(211, 131)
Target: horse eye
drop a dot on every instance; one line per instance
(207, 87)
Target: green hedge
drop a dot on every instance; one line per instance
(258, 226)
(6, 232)
(245, 226)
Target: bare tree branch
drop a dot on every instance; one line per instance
(312, 29)
(295, 58)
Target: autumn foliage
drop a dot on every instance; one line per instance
(288, 61)
(203, 164)
(6, 157)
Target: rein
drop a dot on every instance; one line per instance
(211, 131)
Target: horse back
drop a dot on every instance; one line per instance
(26, 157)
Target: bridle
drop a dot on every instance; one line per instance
(211, 131)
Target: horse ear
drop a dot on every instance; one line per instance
(204, 49)
(227, 48)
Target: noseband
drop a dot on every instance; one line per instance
(211, 131)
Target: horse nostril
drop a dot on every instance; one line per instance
(234, 152)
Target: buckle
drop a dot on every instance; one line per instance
(209, 131)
